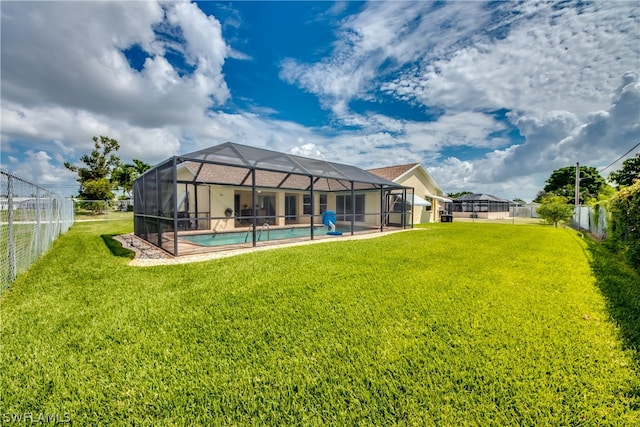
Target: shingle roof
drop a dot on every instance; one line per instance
(392, 172)
(478, 197)
(221, 174)
(230, 163)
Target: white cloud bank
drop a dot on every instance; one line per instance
(556, 139)
(65, 77)
(565, 73)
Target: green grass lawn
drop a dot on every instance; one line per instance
(109, 214)
(458, 324)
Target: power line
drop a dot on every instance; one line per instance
(618, 159)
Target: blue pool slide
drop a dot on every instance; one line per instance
(329, 220)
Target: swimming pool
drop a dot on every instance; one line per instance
(262, 235)
(237, 237)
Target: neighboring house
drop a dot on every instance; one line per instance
(29, 203)
(428, 200)
(481, 206)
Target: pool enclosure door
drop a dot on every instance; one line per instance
(399, 213)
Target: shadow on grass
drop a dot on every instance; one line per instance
(620, 284)
(116, 247)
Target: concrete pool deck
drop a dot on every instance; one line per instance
(148, 255)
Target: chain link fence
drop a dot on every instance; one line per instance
(31, 219)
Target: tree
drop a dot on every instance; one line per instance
(629, 172)
(95, 177)
(539, 196)
(141, 167)
(562, 182)
(456, 195)
(97, 189)
(124, 175)
(554, 209)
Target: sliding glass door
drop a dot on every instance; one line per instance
(345, 209)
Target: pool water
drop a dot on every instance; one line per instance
(218, 239)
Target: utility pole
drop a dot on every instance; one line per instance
(577, 199)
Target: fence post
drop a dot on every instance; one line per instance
(30, 229)
(38, 214)
(12, 244)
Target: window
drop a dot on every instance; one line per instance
(290, 208)
(344, 209)
(323, 203)
(306, 204)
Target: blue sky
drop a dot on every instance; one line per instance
(489, 97)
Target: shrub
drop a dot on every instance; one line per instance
(624, 230)
(555, 209)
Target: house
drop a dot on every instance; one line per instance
(428, 198)
(481, 206)
(235, 195)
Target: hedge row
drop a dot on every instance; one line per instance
(624, 227)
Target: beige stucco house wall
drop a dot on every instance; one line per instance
(416, 176)
(216, 199)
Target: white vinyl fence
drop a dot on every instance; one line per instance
(586, 218)
(528, 211)
(31, 219)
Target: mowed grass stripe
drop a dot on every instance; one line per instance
(456, 324)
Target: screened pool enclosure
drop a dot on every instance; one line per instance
(233, 196)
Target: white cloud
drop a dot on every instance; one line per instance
(556, 69)
(382, 38)
(607, 134)
(89, 71)
(457, 173)
(526, 57)
(553, 58)
(555, 140)
(407, 141)
(53, 104)
(46, 128)
(38, 168)
(464, 129)
(553, 67)
(307, 150)
(541, 134)
(204, 49)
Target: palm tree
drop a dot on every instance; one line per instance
(124, 175)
